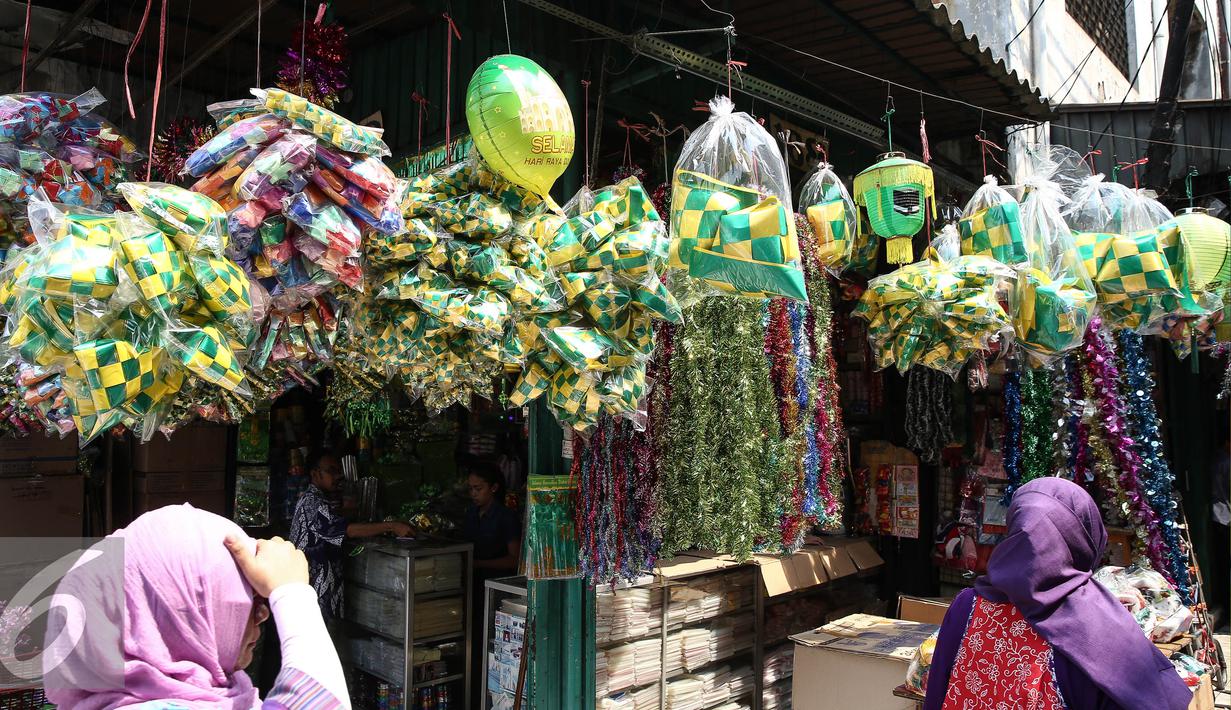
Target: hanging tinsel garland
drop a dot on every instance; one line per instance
(826, 433)
(726, 474)
(617, 486)
(1064, 418)
(1012, 446)
(174, 144)
(1156, 472)
(323, 56)
(1100, 379)
(1037, 459)
(929, 412)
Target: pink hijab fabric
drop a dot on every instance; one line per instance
(183, 610)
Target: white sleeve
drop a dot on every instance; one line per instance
(306, 645)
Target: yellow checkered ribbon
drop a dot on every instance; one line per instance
(1135, 265)
(530, 386)
(205, 353)
(697, 203)
(75, 265)
(994, 231)
(757, 254)
(828, 220)
(476, 215)
(115, 371)
(586, 349)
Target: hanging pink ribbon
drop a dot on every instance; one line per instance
(450, 33)
(423, 103)
(923, 139)
(162, 51)
(986, 146)
(1133, 166)
(735, 66)
(1090, 157)
(132, 112)
(25, 47)
(642, 131)
(320, 14)
(585, 84)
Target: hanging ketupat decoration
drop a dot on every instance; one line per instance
(897, 193)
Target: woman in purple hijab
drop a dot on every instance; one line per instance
(165, 614)
(1038, 632)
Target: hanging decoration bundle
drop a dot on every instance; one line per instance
(1037, 456)
(929, 412)
(315, 65)
(1156, 473)
(1110, 424)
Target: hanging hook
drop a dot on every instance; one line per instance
(887, 118)
(1188, 184)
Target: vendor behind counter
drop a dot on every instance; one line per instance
(493, 529)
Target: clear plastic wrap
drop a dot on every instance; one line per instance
(193, 221)
(991, 225)
(1054, 296)
(24, 117)
(833, 216)
(244, 135)
(278, 171)
(732, 222)
(936, 313)
(1150, 598)
(323, 123)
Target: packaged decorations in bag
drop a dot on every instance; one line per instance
(732, 224)
(991, 225)
(833, 216)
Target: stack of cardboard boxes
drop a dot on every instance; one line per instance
(41, 492)
(190, 467)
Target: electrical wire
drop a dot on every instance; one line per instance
(1075, 75)
(962, 102)
(1140, 65)
(1029, 22)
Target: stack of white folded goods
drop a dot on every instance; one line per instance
(739, 682)
(685, 693)
(779, 664)
(627, 613)
(776, 698)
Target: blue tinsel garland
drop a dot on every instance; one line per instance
(1012, 447)
(1155, 472)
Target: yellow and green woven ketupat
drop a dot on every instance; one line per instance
(475, 215)
(933, 313)
(80, 263)
(828, 220)
(734, 240)
(115, 371)
(157, 267)
(205, 353)
(896, 192)
(1135, 265)
(403, 248)
(995, 231)
(1051, 316)
(193, 221)
(223, 286)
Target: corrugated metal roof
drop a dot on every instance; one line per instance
(1201, 123)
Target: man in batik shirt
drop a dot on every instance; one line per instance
(318, 528)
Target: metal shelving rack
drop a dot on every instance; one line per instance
(496, 590)
(410, 553)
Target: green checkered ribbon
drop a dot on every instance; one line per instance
(606, 303)
(994, 231)
(476, 214)
(1050, 316)
(385, 250)
(757, 254)
(653, 295)
(621, 390)
(627, 203)
(527, 254)
(156, 266)
(586, 349)
(1135, 265)
(698, 202)
(115, 371)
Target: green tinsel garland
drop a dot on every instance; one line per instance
(1038, 457)
(727, 477)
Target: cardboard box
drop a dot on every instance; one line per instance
(179, 482)
(1203, 699)
(38, 455)
(197, 447)
(213, 501)
(855, 662)
(42, 506)
(924, 611)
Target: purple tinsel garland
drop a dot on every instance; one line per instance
(1101, 364)
(1158, 479)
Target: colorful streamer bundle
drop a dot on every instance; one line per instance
(550, 550)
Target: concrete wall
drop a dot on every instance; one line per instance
(1049, 51)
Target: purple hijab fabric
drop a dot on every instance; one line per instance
(177, 623)
(1044, 567)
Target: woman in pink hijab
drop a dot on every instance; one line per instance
(177, 627)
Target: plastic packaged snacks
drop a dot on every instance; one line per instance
(732, 223)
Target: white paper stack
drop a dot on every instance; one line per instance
(621, 667)
(779, 664)
(627, 613)
(739, 682)
(646, 698)
(776, 698)
(685, 693)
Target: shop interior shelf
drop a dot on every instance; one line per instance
(425, 640)
(421, 596)
(378, 674)
(438, 681)
(378, 632)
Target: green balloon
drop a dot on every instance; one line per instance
(520, 122)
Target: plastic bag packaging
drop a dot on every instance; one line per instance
(24, 117)
(475, 215)
(405, 247)
(367, 172)
(1153, 602)
(323, 123)
(324, 222)
(935, 313)
(219, 183)
(385, 217)
(97, 133)
(153, 263)
(732, 223)
(278, 171)
(830, 210)
(246, 134)
(920, 664)
(991, 225)
(227, 113)
(1054, 296)
(206, 353)
(193, 221)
